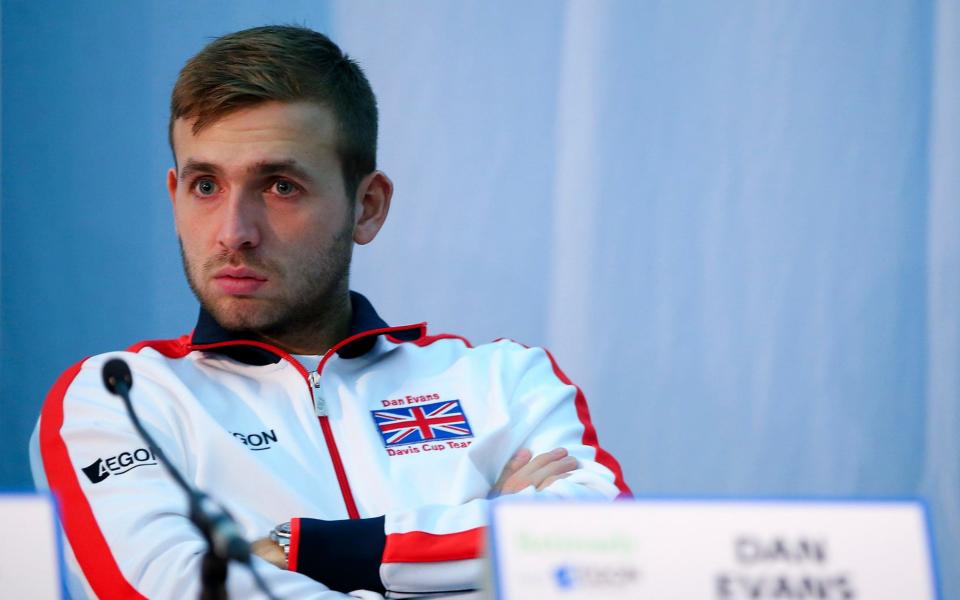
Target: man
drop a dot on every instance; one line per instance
(370, 452)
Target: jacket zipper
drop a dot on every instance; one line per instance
(320, 408)
(312, 379)
(319, 404)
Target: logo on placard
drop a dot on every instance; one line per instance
(436, 421)
(118, 464)
(596, 577)
(564, 577)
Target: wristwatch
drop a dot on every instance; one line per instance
(281, 535)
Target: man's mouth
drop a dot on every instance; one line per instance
(239, 281)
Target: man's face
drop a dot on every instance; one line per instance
(264, 222)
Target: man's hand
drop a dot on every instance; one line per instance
(522, 472)
(269, 551)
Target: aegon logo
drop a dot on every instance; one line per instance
(620, 577)
(122, 463)
(257, 441)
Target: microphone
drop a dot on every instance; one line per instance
(116, 373)
(223, 536)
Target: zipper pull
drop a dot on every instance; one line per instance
(318, 403)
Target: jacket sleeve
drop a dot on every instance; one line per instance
(124, 520)
(437, 548)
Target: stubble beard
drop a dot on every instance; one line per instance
(316, 290)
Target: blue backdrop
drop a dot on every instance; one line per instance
(736, 225)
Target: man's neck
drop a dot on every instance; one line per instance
(315, 338)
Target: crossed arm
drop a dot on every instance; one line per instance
(522, 471)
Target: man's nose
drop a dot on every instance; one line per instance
(240, 225)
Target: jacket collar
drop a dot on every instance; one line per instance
(365, 326)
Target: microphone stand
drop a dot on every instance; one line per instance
(213, 576)
(224, 541)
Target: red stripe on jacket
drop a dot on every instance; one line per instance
(294, 549)
(590, 432)
(420, 547)
(80, 525)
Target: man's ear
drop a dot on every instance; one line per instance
(172, 185)
(371, 206)
(172, 189)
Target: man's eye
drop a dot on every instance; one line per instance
(282, 187)
(205, 187)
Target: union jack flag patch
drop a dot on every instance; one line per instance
(442, 420)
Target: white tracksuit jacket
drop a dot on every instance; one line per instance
(391, 423)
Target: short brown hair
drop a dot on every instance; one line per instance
(286, 63)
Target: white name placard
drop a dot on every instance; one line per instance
(712, 550)
(30, 552)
